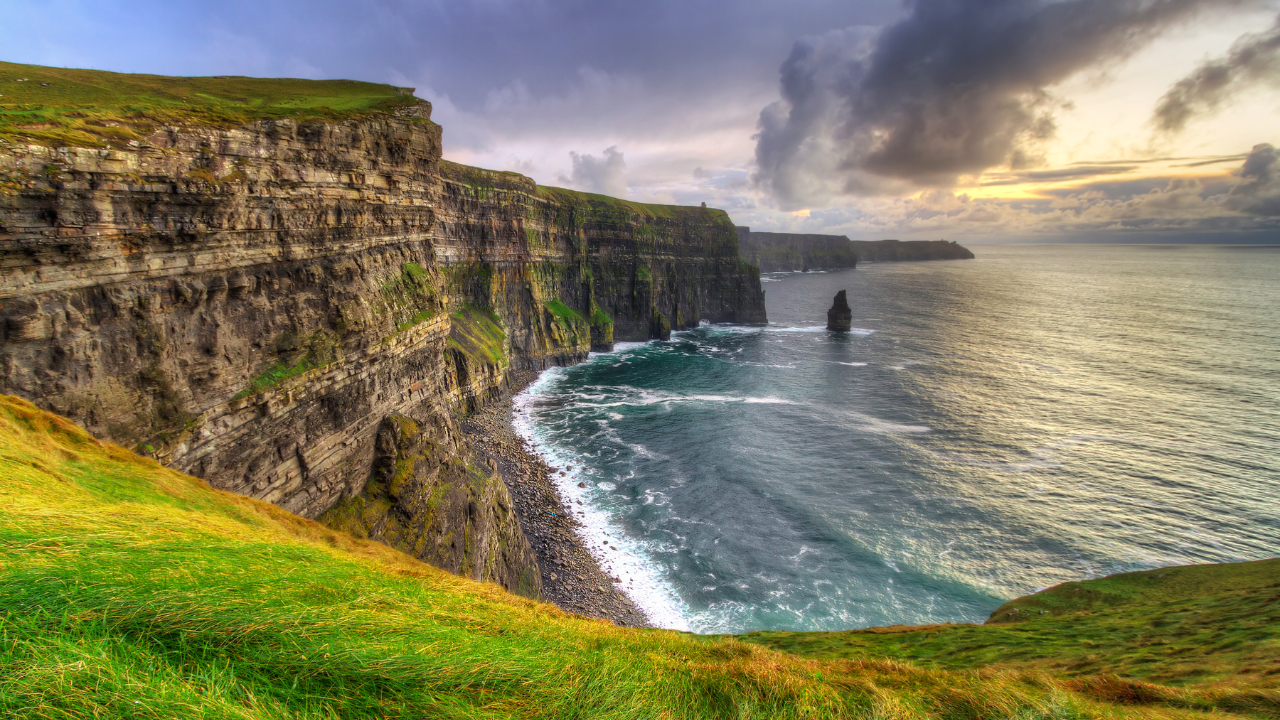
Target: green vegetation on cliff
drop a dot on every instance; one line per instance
(130, 590)
(314, 352)
(92, 108)
(478, 334)
(564, 313)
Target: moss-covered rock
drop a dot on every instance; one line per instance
(661, 326)
(601, 332)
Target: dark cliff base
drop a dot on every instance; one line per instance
(571, 577)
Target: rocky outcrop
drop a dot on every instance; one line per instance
(840, 316)
(790, 252)
(423, 499)
(250, 304)
(911, 250)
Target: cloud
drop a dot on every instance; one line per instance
(599, 174)
(1076, 172)
(1243, 203)
(1254, 59)
(955, 88)
(1259, 190)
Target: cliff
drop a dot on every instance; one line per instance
(790, 252)
(899, 251)
(251, 299)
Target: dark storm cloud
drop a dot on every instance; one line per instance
(1254, 59)
(956, 87)
(1259, 190)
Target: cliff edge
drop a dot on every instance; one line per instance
(250, 296)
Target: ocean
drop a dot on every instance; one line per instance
(990, 427)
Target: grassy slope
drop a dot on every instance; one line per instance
(1200, 625)
(129, 590)
(91, 108)
(478, 333)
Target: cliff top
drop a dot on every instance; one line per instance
(93, 108)
(129, 588)
(505, 180)
(604, 202)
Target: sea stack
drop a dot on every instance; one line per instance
(840, 317)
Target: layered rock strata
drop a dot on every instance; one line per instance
(250, 305)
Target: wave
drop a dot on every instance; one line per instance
(622, 557)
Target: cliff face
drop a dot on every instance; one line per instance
(597, 266)
(251, 305)
(790, 252)
(898, 251)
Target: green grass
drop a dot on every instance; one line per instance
(91, 108)
(275, 375)
(320, 349)
(478, 334)
(1216, 625)
(564, 313)
(128, 590)
(600, 317)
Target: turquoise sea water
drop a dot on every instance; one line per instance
(991, 427)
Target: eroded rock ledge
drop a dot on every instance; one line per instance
(254, 306)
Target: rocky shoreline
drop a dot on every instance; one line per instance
(572, 578)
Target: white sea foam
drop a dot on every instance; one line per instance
(814, 329)
(642, 397)
(869, 423)
(619, 556)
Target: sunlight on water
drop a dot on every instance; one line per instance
(991, 427)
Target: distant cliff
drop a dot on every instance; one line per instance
(895, 250)
(791, 252)
(783, 252)
(294, 308)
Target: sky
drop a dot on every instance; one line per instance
(973, 120)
